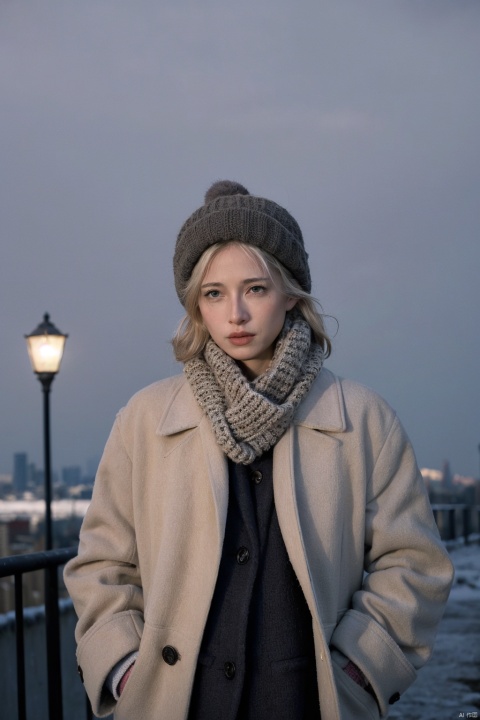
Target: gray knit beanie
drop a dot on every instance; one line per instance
(231, 213)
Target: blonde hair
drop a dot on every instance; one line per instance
(191, 335)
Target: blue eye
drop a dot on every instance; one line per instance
(212, 293)
(257, 289)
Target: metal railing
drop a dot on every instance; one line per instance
(17, 566)
(457, 521)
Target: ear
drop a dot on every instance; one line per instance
(290, 303)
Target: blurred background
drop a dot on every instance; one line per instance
(362, 119)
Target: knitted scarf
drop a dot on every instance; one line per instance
(248, 418)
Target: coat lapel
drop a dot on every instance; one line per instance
(183, 415)
(323, 407)
(307, 484)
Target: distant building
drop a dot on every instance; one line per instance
(20, 472)
(447, 479)
(431, 476)
(36, 477)
(445, 487)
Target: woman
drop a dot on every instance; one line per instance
(259, 543)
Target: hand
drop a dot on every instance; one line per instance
(123, 681)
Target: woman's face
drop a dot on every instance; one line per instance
(242, 309)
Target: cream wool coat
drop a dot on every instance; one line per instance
(355, 519)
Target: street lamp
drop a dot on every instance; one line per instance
(45, 348)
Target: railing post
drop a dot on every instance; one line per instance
(52, 627)
(466, 523)
(20, 646)
(452, 530)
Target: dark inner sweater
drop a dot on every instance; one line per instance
(257, 659)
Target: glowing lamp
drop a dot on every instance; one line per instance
(45, 347)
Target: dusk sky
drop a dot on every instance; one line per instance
(361, 118)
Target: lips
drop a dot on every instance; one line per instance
(240, 338)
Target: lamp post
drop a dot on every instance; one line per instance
(45, 348)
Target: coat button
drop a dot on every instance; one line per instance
(257, 477)
(80, 672)
(170, 655)
(395, 698)
(243, 555)
(229, 670)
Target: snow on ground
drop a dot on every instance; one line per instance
(448, 686)
(35, 509)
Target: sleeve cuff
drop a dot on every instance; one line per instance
(371, 648)
(118, 671)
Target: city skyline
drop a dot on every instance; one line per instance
(24, 467)
(86, 471)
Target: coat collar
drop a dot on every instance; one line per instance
(322, 409)
(182, 412)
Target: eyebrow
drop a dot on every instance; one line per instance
(244, 282)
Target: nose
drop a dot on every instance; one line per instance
(238, 312)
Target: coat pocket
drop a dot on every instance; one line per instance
(355, 702)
